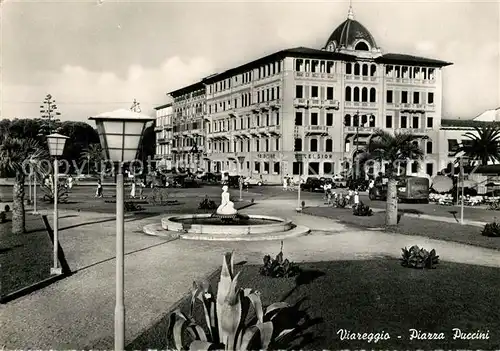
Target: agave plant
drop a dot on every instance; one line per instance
(417, 257)
(226, 317)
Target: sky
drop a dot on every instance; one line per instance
(95, 56)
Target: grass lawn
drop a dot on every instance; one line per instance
(25, 259)
(376, 296)
(465, 234)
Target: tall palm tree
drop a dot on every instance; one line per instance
(15, 155)
(92, 154)
(483, 145)
(394, 149)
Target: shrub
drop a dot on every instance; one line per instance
(130, 206)
(62, 192)
(278, 267)
(207, 204)
(227, 326)
(3, 217)
(494, 206)
(362, 210)
(491, 229)
(7, 208)
(340, 202)
(420, 258)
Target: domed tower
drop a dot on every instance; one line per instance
(351, 37)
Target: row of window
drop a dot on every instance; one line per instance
(247, 145)
(313, 145)
(264, 167)
(314, 92)
(410, 72)
(363, 69)
(314, 66)
(199, 107)
(263, 71)
(314, 119)
(352, 94)
(188, 141)
(246, 99)
(185, 127)
(403, 97)
(190, 95)
(225, 125)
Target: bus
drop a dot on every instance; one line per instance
(410, 189)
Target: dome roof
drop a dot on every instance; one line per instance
(349, 34)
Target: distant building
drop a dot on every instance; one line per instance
(323, 104)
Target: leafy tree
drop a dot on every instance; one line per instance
(147, 147)
(93, 154)
(483, 145)
(398, 148)
(81, 135)
(14, 154)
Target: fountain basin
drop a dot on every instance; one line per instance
(207, 225)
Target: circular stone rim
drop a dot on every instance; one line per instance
(169, 223)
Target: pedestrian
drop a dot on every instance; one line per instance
(142, 185)
(285, 183)
(70, 182)
(98, 191)
(132, 190)
(356, 199)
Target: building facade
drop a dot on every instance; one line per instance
(308, 111)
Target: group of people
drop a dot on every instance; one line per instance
(288, 182)
(351, 197)
(133, 187)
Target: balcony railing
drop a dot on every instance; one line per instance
(300, 102)
(316, 130)
(315, 75)
(335, 104)
(360, 129)
(360, 104)
(315, 102)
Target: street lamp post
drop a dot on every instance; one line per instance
(241, 159)
(56, 147)
(120, 133)
(298, 157)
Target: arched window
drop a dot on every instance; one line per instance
(347, 93)
(364, 94)
(298, 144)
(365, 69)
(329, 145)
(348, 68)
(356, 69)
(313, 145)
(428, 147)
(356, 94)
(373, 70)
(373, 95)
(347, 120)
(361, 46)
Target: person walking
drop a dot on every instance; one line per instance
(142, 185)
(70, 182)
(98, 191)
(285, 183)
(132, 190)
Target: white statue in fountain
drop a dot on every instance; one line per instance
(226, 207)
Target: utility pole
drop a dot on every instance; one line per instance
(49, 112)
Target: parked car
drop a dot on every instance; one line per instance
(249, 181)
(312, 184)
(339, 182)
(211, 177)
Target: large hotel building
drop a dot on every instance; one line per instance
(323, 104)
